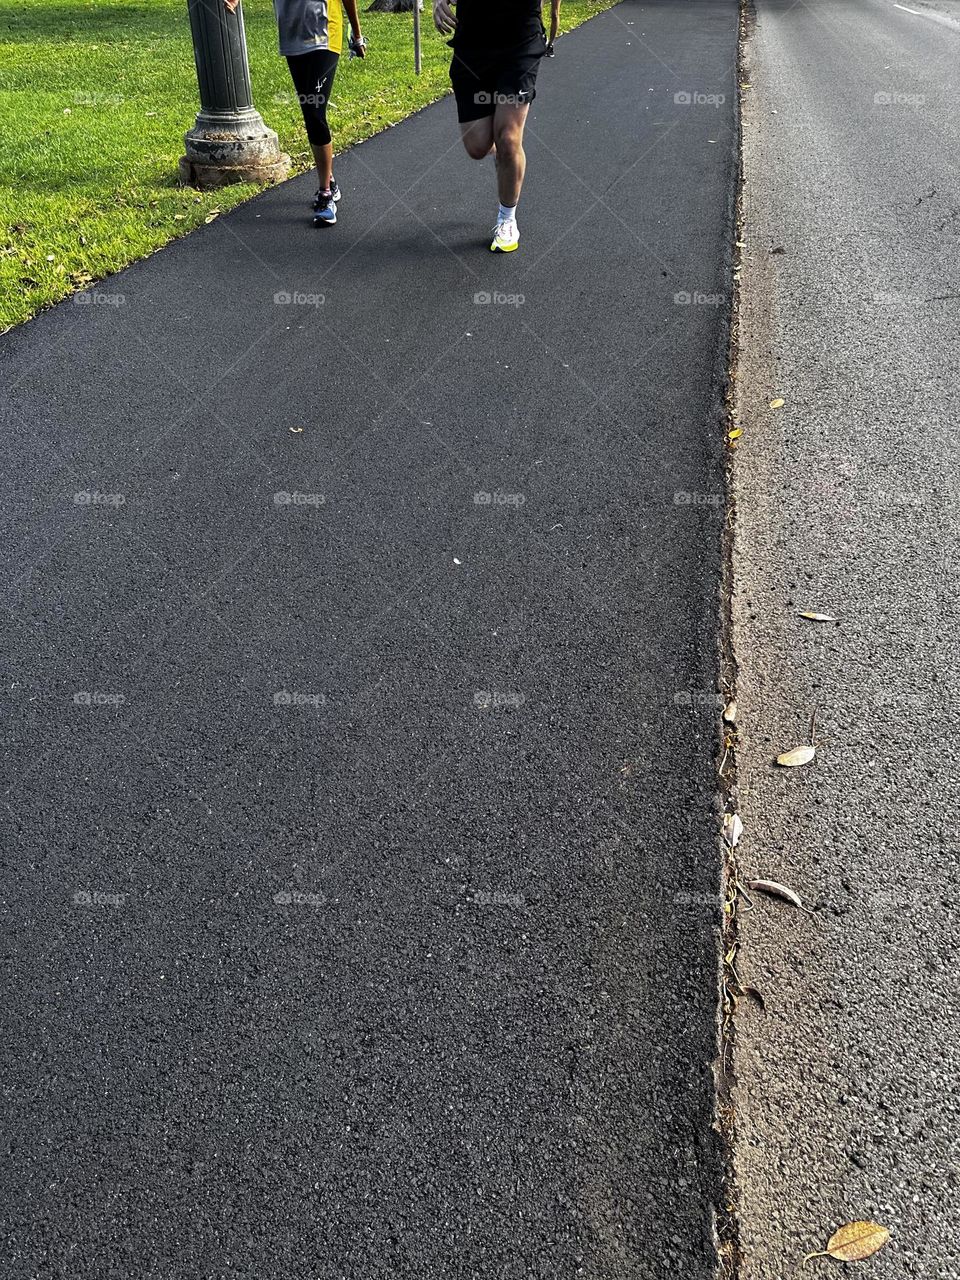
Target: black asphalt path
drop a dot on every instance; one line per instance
(360, 866)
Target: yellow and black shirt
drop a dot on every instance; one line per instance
(306, 25)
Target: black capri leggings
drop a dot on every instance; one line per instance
(313, 80)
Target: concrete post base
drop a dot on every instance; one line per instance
(223, 148)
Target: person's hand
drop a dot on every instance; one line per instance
(232, 5)
(443, 16)
(358, 46)
(551, 51)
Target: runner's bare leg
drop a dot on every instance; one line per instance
(508, 123)
(323, 158)
(478, 137)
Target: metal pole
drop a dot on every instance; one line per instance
(417, 61)
(229, 142)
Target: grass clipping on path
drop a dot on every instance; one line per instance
(95, 99)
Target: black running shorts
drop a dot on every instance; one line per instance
(312, 74)
(484, 78)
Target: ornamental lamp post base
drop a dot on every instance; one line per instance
(225, 147)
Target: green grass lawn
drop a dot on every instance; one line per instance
(95, 96)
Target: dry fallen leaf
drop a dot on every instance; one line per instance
(817, 617)
(797, 756)
(777, 890)
(735, 434)
(853, 1242)
(732, 829)
(777, 404)
(730, 712)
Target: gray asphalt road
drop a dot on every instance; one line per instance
(847, 504)
(360, 876)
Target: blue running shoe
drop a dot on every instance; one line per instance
(325, 213)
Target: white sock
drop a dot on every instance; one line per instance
(508, 213)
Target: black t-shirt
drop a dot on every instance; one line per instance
(497, 24)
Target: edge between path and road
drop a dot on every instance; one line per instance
(364, 904)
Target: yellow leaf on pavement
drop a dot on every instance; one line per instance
(853, 1242)
(857, 1240)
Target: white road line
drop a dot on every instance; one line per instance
(940, 18)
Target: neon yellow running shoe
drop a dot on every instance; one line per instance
(506, 237)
